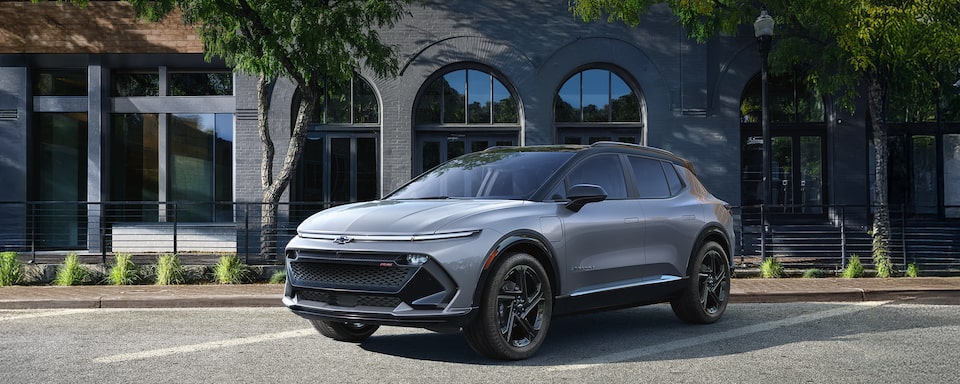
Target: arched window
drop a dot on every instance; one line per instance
(790, 100)
(597, 105)
(463, 109)
(339, 163)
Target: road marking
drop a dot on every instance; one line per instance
(636, 353)
(46, 313)
(204, 346)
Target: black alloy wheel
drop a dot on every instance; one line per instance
(515, 310)
(705, 299)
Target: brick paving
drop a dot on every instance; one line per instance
(743, 290)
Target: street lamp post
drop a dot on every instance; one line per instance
(763, 29)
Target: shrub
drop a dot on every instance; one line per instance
(123, 271)
(854, 268)
(169, 271)
(229, 270)
(771, 268)
(812, 273)
(11, 270)
(912, 270)
(278, 277)
(71, 272)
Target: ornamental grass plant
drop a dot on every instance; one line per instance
(169, 271)
(854, 268)
(229, 270)
(11, 269)
(123, 271)
(71, 272)
(771, 268)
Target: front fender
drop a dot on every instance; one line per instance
(529, 242)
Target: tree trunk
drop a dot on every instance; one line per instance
(273, 188)
(876, 90)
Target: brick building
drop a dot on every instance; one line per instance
(98, 107)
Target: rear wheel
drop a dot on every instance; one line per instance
(344, 331)
(515, 309)
(705, 299)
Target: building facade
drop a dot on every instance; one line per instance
(98, 108)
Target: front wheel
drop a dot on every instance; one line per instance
(515, 307)
(344, 331)
(704, 300)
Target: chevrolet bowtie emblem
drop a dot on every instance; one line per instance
(343, 239)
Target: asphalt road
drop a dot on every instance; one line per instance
(874, 342)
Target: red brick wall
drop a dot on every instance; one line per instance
(100, 27)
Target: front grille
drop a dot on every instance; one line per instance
(373, 277)
(348, 300)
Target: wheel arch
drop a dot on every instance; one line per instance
(716, 234)
(520, 241)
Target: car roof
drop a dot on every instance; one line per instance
(657, 153)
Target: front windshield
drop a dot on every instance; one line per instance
(511, 175)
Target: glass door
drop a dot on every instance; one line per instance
(796, 173)
(335, 169)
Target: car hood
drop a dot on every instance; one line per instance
(399, 217)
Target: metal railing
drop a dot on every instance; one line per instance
(800, 236)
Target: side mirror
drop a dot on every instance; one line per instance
(583, 194)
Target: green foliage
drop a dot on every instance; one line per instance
(812, 273)
(771, 268)
(229, 270)
(123, 271)
(11, 270)
(169, 271)
(882, 263)
(854, 268)
(912, 270)
(71, 272)
(278, 277)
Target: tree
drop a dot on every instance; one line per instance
(309, 42)
(846, 46)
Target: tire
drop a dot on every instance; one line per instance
(341, 331)
(705, 298)
(514, 310)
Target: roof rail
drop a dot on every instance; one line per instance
(687, 164)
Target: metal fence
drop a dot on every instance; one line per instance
(800, 236)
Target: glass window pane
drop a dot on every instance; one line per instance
(924, 175)
(366, 107)
(504, 105)
(430, 154)
(596, 95)
(134, 166)
(201, 84)
(625, 106)
(59, 173)
(951, 175)
(478, 145)
(650, 178)
(567, 109)
(340, 169)
(367, 169)
(191, 165)
(455, 148)
(223, 167)
(478, 96)
(338, 103)
(455, 87)
(60, 82)
(673, 179)
(604, 171)
(428, 107)
(126, 84)
(310, 170)
(811, 174)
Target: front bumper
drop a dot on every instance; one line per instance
(371, 287)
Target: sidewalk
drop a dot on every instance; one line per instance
(264, 295)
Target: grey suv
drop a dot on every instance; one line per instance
(498, 242)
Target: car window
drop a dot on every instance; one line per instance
(603, 170)
(651, 182)
(673, 179)
(487, 174)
